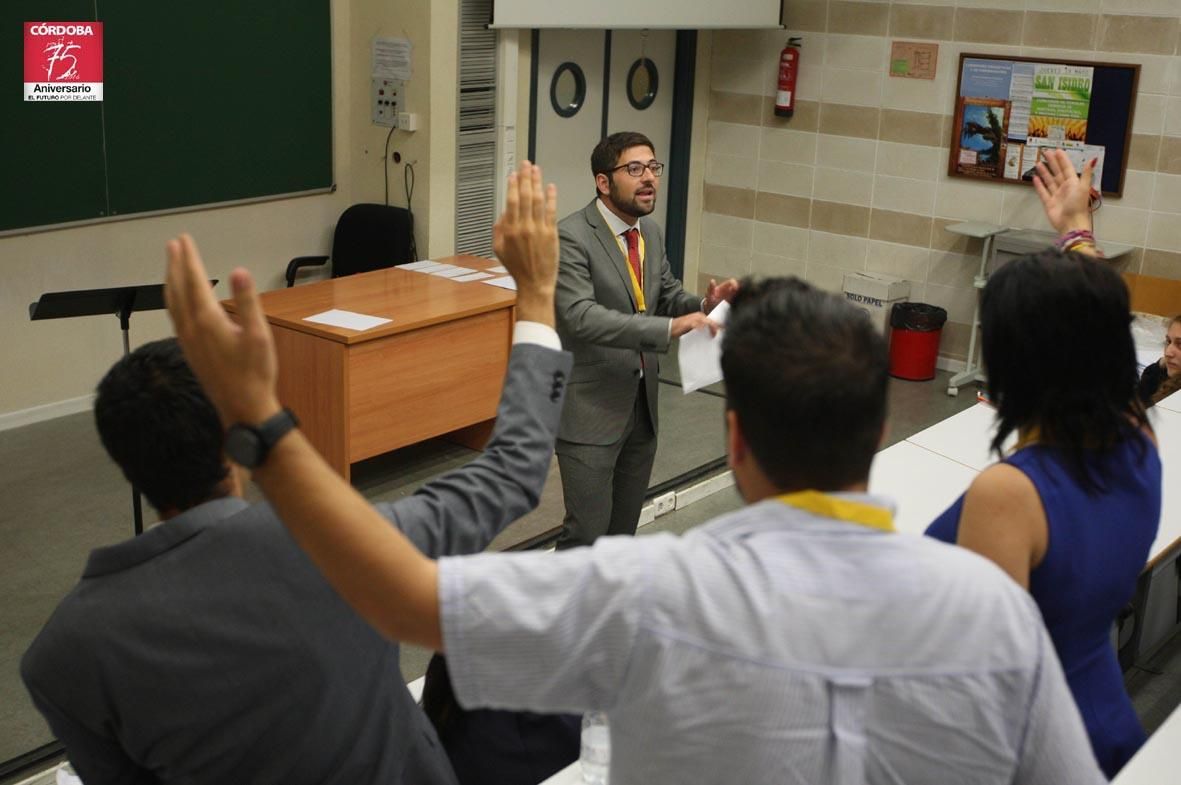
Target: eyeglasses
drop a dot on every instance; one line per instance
(636, 169)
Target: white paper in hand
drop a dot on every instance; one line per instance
(700, 355)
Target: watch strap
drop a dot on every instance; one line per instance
(275, 428)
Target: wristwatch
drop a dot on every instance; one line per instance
(249, 445)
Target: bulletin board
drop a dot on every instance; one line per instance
(1009, 112)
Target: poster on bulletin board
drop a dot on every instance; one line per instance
(1009, 113)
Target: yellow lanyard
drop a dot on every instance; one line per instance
(841, 509)
(1031, 436)
(637, 289)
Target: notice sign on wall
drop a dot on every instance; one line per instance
(913, 59)
(63, 61)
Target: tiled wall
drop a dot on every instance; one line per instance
(857, 179)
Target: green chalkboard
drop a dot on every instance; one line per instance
(204, 102)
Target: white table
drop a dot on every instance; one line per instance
(1166, 419)
(963, 437)
(1167, 424)
(1025, 241)
(1172, 403)
(571, 775)
(1159, 760)
(415, 688)
(922, 483)
(962, 440)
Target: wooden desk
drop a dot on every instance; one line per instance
(436, 368)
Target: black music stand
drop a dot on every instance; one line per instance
(121, 301)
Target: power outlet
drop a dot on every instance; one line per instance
(385, 96)
(665, 503)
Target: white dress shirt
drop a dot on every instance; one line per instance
(619, 227)
(538, 333)
(616, 224)
(773, 646)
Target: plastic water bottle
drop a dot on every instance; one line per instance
(596, 748)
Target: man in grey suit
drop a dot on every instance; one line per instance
(210, 649)
(618, 307)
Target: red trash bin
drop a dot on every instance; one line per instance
(915, 329)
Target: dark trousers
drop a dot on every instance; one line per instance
(604, 485)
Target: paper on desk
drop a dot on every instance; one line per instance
(500, 268)
(451, 271)
(347, 319)
(478, 275)
(505, 282)
(700, 354)
(430, 268)
(418, 266)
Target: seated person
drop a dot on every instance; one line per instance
(1163, 378)
(795, 640)
(210, 649)
(490, 747)
(1072, 513)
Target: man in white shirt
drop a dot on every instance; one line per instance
(797, 640)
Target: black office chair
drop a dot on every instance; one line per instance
(368, 237)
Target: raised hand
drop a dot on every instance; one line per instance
(525, 239)
(234, 361)
(1065, 195)
(718, 292)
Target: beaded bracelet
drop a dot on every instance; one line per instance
(1068, 240)
(1080, 243)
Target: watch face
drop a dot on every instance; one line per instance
(243, 445)
(248, 445)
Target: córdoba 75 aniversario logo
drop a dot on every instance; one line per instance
(63, 61)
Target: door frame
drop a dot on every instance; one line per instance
(684, 74)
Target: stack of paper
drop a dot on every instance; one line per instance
(347, 319)
(452, 271)
(505, 282)
(700, 354)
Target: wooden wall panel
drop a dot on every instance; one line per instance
(1154, 295)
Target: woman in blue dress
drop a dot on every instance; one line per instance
(1072, 511)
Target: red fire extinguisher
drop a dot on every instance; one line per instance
(789, 71)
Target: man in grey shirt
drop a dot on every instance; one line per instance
(797, 640)
(209, 649)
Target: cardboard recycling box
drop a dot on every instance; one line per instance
(876, 294)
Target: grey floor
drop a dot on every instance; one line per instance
(60, 497)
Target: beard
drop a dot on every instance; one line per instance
(631, 206)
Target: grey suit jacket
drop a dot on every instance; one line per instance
(210, 649)
(598, 322)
